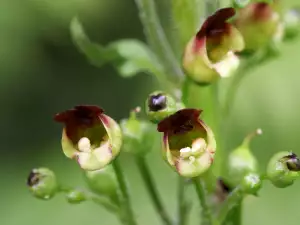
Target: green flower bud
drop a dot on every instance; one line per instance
(75, 196)
(292, 23)
(138, 135)
(188, 143)
(283, 169)
(42, 183)
(90, 137)
(241, 161)
(260, 23)
(210, 54)
(103, 182)
(251, 184)
(160, 105)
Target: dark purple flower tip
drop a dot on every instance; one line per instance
(32, 179)
(292, 162)
(182, 121)
(81, 116)
(84, 114)
(215, 25)
(157, 102)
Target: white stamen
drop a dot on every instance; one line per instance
(84, 145)
(185, 150)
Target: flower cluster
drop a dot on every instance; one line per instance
(227, 39)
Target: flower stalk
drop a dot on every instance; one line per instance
(126, 201)
(183, 204)
(206, 213)
(152, 190)
(233, 200)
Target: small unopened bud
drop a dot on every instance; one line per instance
(241, 161)
(103, 182)
(251, 184)
(283, 169)
(160, 105)
(42, 183)
(75, 196)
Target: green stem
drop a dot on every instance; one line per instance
(125, 193)
(157, 38)
(201, 193)
(183, 205)
(105, 203)
(234, 199)
(151, 188)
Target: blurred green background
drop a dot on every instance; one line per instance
(42, 73)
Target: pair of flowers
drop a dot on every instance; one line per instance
(94, 139)
(210, 54)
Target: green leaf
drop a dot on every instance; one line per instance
(187, 16)
(129, 56)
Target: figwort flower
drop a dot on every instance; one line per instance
(260, 24)
(283, 169)
(210, 53)
(188, 144)
(89, 136)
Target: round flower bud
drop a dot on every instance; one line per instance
(42, 183)
(241, 161)
(251, 184)
(160, 105)
(283, 169)
(188, 143)
(89, 136)
(75, 196)
(260, 23)
(103, 182)
(210, 54)
(138, 135)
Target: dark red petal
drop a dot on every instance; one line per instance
(181, 121)
(215, 25)
(80, 117)
(79, 113)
